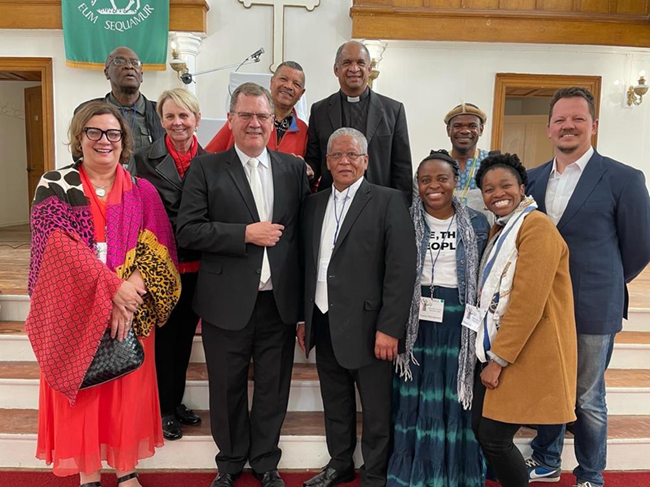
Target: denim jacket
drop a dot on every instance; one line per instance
(481, 229)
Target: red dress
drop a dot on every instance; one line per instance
(117, 422)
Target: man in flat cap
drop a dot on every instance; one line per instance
(465, 124)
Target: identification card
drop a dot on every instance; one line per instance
(102, 251)
(322, 270)
(472, 318)
(432, 309)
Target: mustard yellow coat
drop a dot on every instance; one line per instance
(538, 333)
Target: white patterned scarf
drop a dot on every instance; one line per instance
(497, 275)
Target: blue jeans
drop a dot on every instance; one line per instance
(590, 429)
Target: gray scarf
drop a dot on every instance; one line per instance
(467, 355)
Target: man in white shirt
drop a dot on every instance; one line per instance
(240, 208)
(359, 259)
(602, 209)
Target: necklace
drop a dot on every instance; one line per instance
(101, 190)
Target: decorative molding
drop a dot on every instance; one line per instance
(459, 21)
(278, 22)
(504, 81)
(7, 111)
(43, 66)
(184, 15)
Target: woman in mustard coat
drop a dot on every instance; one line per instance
(526, 334)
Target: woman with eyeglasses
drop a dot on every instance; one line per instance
(433, 439)
(526, 341)
(103, 258)
(165, 165)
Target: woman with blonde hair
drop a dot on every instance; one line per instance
(165, 164)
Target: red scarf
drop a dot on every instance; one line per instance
(182, 161)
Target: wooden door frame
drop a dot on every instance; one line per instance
(503, 81)
(43, 66)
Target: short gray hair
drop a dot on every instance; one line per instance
(292, 65)
(250, 89)
(354, 133)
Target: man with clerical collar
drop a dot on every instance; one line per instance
(465, 124)
(124, 70)
(289, 133)
(381, 119)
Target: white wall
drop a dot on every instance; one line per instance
(429, 77)
(14, 209)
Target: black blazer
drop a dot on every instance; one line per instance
(371, 273)
(607, 228)
(389, 152)
(154, 164)
(217, 205)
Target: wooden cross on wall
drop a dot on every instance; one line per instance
(278, 22)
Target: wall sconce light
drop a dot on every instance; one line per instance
(635, 93)
(177, 64)
(376, 49)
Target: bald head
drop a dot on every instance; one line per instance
(124, 70)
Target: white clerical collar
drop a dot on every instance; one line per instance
(263, 157)
(349, 192)
(581, 163)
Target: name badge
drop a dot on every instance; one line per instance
(322, 270)
(432, 309)
(102, 251)
(472, 318)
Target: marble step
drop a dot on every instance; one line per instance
(303, 443)
(628, 391)
(631, 349)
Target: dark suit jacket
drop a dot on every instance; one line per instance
(154, 164)
(389, 152)
(371, 273)
(217, 205)
(607, 228)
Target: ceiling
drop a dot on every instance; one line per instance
(530, 92)
(20, 76)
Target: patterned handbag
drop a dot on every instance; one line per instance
(114, 359)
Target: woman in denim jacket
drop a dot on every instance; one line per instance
(434, 443)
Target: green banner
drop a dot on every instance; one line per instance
(93, 28)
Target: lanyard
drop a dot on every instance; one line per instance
(132, 116)
(339, 216)
(433, 264)
(469, 179)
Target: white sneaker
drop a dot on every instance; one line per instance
(584, 484)
(540, 473)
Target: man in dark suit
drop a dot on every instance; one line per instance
(241, 208)
(602, 209)
(359, 258)
(381, 119)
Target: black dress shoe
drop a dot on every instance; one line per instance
(225, 479)
(269, 479)
(171, 428)
(329, 477)
(186, 416)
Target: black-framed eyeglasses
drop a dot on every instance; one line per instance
(95, 134)
(122, 61)
(248, 116)
(352, 156)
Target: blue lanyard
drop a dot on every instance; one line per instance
(132, 116)
(339, 216)
(433, 265)
(486, 338)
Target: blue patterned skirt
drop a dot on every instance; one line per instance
(433, 441)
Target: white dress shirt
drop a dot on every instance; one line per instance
(332, 224)
(266, 176)
(561, 186)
